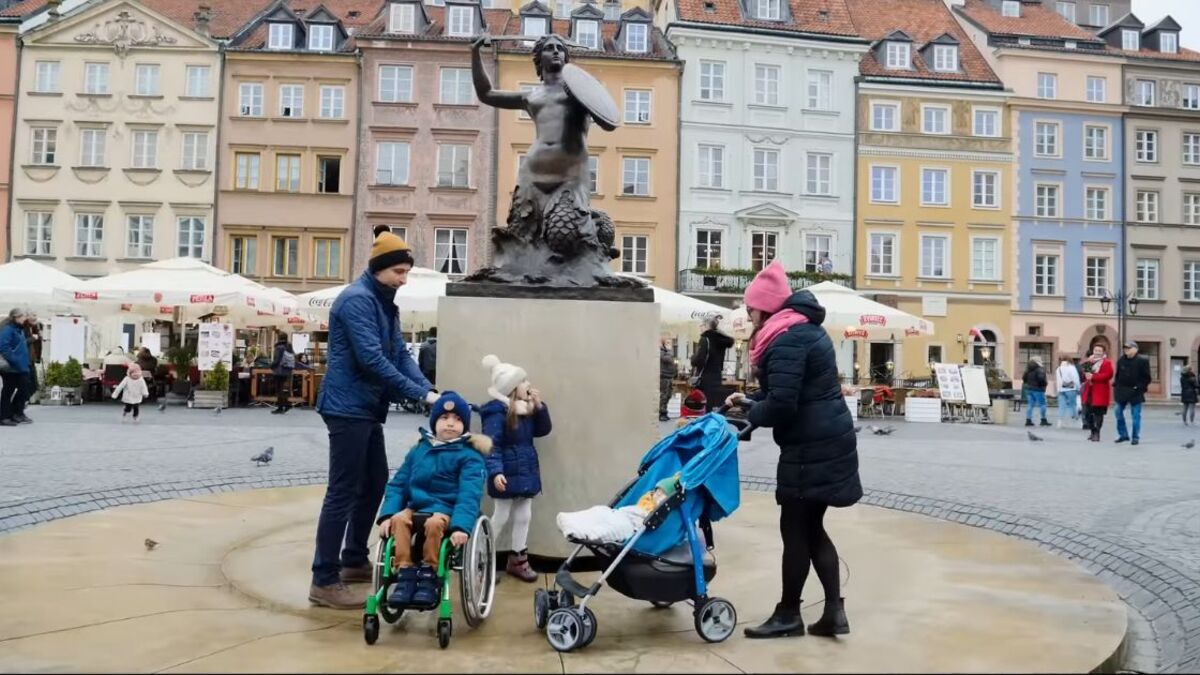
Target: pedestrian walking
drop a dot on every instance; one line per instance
(708, 363)
(1130, 385)
(1189, 389)
(1097, 390)
(15, 365)
(1033, 384)
(368, 367)
(667, 370)
(1067, 377)
(33, 341)
(801, 401)
(283, 366)
(149, 366)
(132, 391)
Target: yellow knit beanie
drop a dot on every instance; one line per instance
(389, 250)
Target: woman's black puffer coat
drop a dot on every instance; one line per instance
(801, 400)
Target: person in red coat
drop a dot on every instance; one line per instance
(1097, 390)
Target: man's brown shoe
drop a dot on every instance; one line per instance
(335, 596)
(357, 575)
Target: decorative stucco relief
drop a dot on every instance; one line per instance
(124, 33)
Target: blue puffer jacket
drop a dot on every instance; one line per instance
(514, 454)
(446, 478)
(14, 348)
(369, 366)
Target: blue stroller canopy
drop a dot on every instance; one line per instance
(704, 453)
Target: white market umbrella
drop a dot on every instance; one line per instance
(28, 283)
(848, 315)
(417, 299)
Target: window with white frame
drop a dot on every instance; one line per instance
(195, 151)
(1011, 8)
(1191, 148)
(635, 176)
(1145, 92)
(333, 102)
(766, 170)
(593, 175)
(327, 258)
(89, 235)
(39, 228)
(391, 163)
(1146, 278)
(818, 248)
(885, 117)
(1146, 206)
(985, 189)
(935, 187)
(1046, 200)
(708, 249)
(945, 58)
(935, 119)
(884, 181)
(247, 170)
(1131, 40)
(456, 86)
(635, 254)
(986, 122)
(199, 81)
(281, 36)
(820, 90)
(291, 100)
(285, 256)
(44, 145)
(935, 258)
(402, 17)
(139, 236)
(460, 22)
(1096, 203)
(1047, 85)
(395, 83)
(767, 10)
(91, 147)
(637, 106)
(1168, 43)
(1146, 145)
(145, 149)
(250, 99)
(712, 80)
(95, 78)
(562, 9)
(818, 173)
(454, 165)
(587, 33)
(766, 84)
(47, 77)
(1097, 89)
(1045, 274)
(763, 248)
(534, 26)
(191, 236)
(898, 55)
(1095, 142)
(1191, 97)
(712, 166)
(287, 173)
(1191, 280)
(1095, 276)
(320, 38)
(1066, 10)
(637, 38)
(1191, 208)
(147, 79)
(882, 253)
(450, 250)
(1045, 139)
(985, 258)
(1098, 15)
(612, 10)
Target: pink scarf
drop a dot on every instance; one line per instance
(776, 325)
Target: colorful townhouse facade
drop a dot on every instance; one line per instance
(936, 176)
(9, 26)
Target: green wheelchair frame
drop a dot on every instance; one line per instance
(474, 562)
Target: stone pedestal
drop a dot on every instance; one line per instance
(596, 363)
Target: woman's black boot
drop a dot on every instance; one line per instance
(784, 622)
(833, 620)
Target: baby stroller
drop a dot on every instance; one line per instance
(664, 562)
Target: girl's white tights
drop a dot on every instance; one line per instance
(520, 510)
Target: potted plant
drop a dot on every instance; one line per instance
(214, 388)
(924, 405)
(181, 358)
(64, 382)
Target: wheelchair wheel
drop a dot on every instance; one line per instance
(443, 631)
(715, 619)
(565, 629)
(478, 575)
(370, 628)
(541, 607)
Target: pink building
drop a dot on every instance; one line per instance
(8, 102)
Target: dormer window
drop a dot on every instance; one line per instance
(612, 10)
(320, 38)
(562, 9)
(767, 10)
(403, 18)
(898, 55)
(459, 22)
(1011, 8)
(535, 26)
(281, 36)
(945, 58)
(1131, 40)
(637, 38)
(587, 33)
(1168, 43)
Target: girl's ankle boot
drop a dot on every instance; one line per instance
(833, 621)
(518, 566)
(784, 622)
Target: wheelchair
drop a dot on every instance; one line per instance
(476, 567)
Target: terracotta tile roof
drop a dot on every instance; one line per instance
(826, 17)
(496, 20)
(659, 47)
(354, 15)
(23, 9)
(228, 16)
(923, 21)
(1183, 55)
(1036, 20)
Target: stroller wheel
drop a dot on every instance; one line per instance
(661, 604)
(565, 629)
(715, 619)
(565, 599)
(541, 607)
(589, 627)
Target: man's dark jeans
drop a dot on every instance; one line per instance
(13, 395)
(358, 473)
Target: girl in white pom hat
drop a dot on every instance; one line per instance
(513, 418)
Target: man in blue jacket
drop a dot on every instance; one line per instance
(368, 368)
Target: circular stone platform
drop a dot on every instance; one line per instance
(226, 590)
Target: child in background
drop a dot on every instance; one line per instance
(514, 417)
(443, 475)
(132, 391)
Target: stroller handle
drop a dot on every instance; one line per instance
(745, 429)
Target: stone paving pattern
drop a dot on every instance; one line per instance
(1130, 515)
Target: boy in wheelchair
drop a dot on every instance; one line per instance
(443, 476)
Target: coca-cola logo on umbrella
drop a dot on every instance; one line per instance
(872, 320)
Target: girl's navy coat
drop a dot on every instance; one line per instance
(513, 453)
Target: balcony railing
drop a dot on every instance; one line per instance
(734, 281)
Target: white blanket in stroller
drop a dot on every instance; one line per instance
(601, 523)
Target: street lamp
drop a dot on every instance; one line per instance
(1126, 303)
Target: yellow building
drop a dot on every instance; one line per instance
(635, 167)
(935, 176)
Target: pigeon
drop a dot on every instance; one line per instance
(1190, 444)
(217, 410)
(883, 431)
(162, 407)
(150, 544)
(1033, 437)
(264, 457)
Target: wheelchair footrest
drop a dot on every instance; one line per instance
(565, 581)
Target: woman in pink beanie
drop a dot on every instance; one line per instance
(800, 398)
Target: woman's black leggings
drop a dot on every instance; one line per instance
(805, 542)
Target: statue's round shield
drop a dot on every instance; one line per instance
(592, 96)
